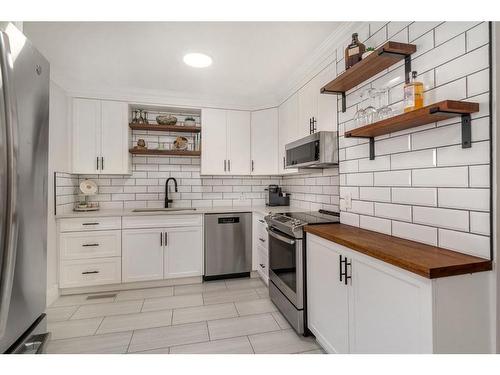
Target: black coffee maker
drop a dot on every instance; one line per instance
(275, 197)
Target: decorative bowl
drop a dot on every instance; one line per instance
(181, 143)
(190, 122)
(166, 120)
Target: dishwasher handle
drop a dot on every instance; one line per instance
(228, 220)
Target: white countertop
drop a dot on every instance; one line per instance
(202, 210)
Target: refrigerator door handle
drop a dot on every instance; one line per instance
(9, 250)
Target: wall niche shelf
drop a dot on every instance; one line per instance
(138, 151)
(167, 128)
(382, 58)
(432, 113)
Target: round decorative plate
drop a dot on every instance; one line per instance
(88, 187)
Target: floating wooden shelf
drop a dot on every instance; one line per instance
(432, 113)
(167, 128)
(137, 151)
(382, 58)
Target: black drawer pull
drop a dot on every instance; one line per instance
(262, 266)
(262, 221)
(90, 223)
(262, 240)
(90, 244)
(89, 272)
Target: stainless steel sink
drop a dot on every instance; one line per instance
(170, 209)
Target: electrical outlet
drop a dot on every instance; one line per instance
(348, 200)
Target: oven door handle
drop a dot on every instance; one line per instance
(280, 237)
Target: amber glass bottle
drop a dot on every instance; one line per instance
(413, 94)
(354, 51)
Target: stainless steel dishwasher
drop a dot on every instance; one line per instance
(228, 245)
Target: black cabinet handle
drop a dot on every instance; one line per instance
(90, 245)
(262, 266)
(340, 267)
(252, 166)
(97, 163)
(314, 124)
(262, 221)
(262, 240)
(284, 162)
(345, 271)
(90, 224)
(229, 165)
(89, 272)
(166, 238)
(225, 165)
(161, 239)
(102, 163)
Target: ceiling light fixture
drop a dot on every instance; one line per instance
(197, 60)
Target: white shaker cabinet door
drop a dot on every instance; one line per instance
(86, 136)
(264, 142)
(214, 142)
(183, 252)
(287, 130)
(307, 103)
(238, 130)
(327, 297)
(114, 133)
(390, 310)
(326, 115)
(142, 255)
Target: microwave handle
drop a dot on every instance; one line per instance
(272, 233)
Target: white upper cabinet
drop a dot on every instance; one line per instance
(317, 112)
(287, 130)
(264, 129)
(238, 155)
(86, 136)
(214, 142)
(225, 141)
(326, 114)
(114, 138)
(100, 137)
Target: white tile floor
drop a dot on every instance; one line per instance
(219, 317)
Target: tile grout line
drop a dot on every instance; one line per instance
(250, 342)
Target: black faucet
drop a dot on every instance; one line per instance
(167, 201)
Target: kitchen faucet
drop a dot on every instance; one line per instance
(167, 201)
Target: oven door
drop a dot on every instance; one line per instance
(285, 265)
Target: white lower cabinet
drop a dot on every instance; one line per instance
(260, 247)
(164, 252)
(183, 252)
(90, 272)
(142, 255)
(385, 309)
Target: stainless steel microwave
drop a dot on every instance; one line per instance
(317, 150)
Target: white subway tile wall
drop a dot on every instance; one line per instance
(422, 184)
(66, 192)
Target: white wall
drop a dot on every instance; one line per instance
(59, 160)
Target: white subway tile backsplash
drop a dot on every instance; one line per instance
(465, 242)
(449, 30)
(417, 29)
(440, 177)
(362, 207)
(440, 217)
(376, 224)
(415, 196)
(393, 211)
(464, 65)
(380, 163)
(392, 145)
(480, 223)
(392, 178)
(419, 233)
(376, 194)
(466, 199)
(479, 176)
(349, 218)
(477, 36)
(479, 153)
(360, 179)
(436, 137)
(415, 159)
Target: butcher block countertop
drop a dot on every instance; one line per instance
(425, 260)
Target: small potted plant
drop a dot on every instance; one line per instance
(368, 52)
(189, 121)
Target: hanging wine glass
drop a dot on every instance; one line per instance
(371, 111)
(385, 111)
(134, 117)
(359, 116)
(141, 118)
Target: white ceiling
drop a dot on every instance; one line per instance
(250, 59)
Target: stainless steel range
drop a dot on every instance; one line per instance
(287, 260)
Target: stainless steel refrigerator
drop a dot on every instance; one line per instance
(24, 127)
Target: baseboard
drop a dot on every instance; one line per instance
(52, 294)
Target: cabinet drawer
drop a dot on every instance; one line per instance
(161, 221)
(85, 245)
(86, 272)
(90, 224)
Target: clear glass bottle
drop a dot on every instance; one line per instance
(413, 94)
(354, 52)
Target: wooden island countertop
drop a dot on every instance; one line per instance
(425, 260)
